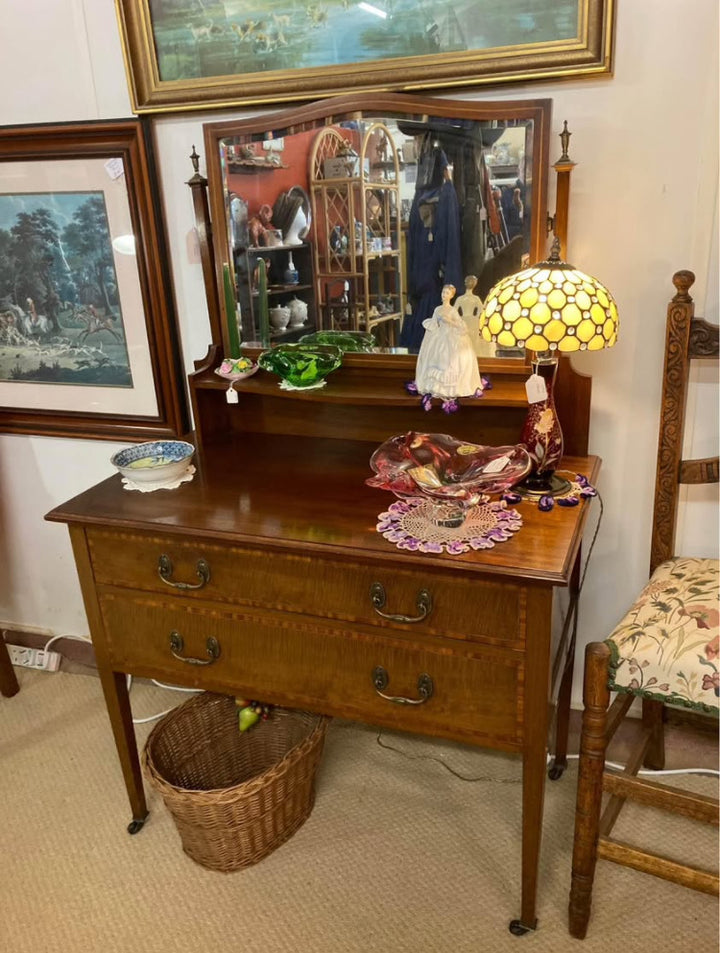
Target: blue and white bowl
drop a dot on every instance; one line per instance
(160, 461)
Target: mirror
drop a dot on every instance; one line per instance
(350, 214)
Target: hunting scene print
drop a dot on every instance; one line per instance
(60, 315)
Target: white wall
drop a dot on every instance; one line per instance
(643, 204)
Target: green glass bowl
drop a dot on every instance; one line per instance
(301, 366)
(345, 340)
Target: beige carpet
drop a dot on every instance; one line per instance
(398, 855)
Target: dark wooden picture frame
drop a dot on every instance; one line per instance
(150, 402)
(199, 56)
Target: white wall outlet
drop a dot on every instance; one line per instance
(34, 658)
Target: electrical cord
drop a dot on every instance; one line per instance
(571, 757)
(128, 678)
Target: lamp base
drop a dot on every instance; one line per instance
(543, 484)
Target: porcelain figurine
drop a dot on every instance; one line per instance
(469, 307)
(447, 365)
(259, 224)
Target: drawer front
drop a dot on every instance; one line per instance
(463, 606)
(475, 697)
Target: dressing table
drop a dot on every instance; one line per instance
(265, 576)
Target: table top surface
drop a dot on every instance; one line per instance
(309, 495)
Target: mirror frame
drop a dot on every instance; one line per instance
(210, 208)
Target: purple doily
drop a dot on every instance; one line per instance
(410, 525)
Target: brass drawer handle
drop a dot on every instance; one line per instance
(165, 569)
(423, 604)
(425, 688)
(212, 647)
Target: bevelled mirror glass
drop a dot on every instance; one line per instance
(351, 214)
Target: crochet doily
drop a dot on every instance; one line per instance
(148, 487)
(412, 524)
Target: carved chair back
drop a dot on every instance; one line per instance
(687, 338)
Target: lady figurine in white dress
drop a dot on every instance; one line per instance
(447, 365)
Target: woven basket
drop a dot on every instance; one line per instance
(234, 797)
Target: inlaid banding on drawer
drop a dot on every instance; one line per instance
(324, 667)
(460, 605)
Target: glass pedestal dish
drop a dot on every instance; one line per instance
(454, 475)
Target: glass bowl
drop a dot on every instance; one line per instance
(301, 366)
(446, 470)
(159, 461)
(345, 340)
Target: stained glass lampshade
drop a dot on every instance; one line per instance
(549, 308)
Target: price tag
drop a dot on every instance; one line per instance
(535, 389)
(114, 168)
(496, 465)
(231, 395)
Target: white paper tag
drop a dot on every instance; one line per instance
(496, 465)
(231, 395)
(114, 167)
(535, 389)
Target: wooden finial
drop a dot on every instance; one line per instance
(196, 179)
(683, 281)
(565, 142)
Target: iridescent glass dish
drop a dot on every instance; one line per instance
(345, 340)
(301, 366)
(446, 470)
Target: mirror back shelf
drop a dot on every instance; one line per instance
(261, 167)
(494, 153)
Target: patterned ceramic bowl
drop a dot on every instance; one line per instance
(160, 461)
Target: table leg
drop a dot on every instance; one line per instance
(8, 679)
(536, 719)
(117, 701)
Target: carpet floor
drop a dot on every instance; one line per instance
(398, 854)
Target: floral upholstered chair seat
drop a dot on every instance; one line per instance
(667, 645)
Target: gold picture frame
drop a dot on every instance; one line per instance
(184, 55)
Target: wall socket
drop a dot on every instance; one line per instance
(34, 658)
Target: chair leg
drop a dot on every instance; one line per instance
(8, 680)
(653, 714)
(596, 699)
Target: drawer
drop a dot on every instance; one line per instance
(476, 692)
(464, 606)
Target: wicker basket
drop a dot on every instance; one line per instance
(234, 797)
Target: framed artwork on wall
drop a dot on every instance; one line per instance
(88, 340)
(185, 54)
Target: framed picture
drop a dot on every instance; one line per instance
(186, 54)
(88, 341)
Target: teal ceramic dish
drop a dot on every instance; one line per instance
(352, 341)
(301, 366)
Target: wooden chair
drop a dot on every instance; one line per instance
(646, 656)
(8, 680)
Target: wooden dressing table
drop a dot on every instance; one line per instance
(265, 575)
